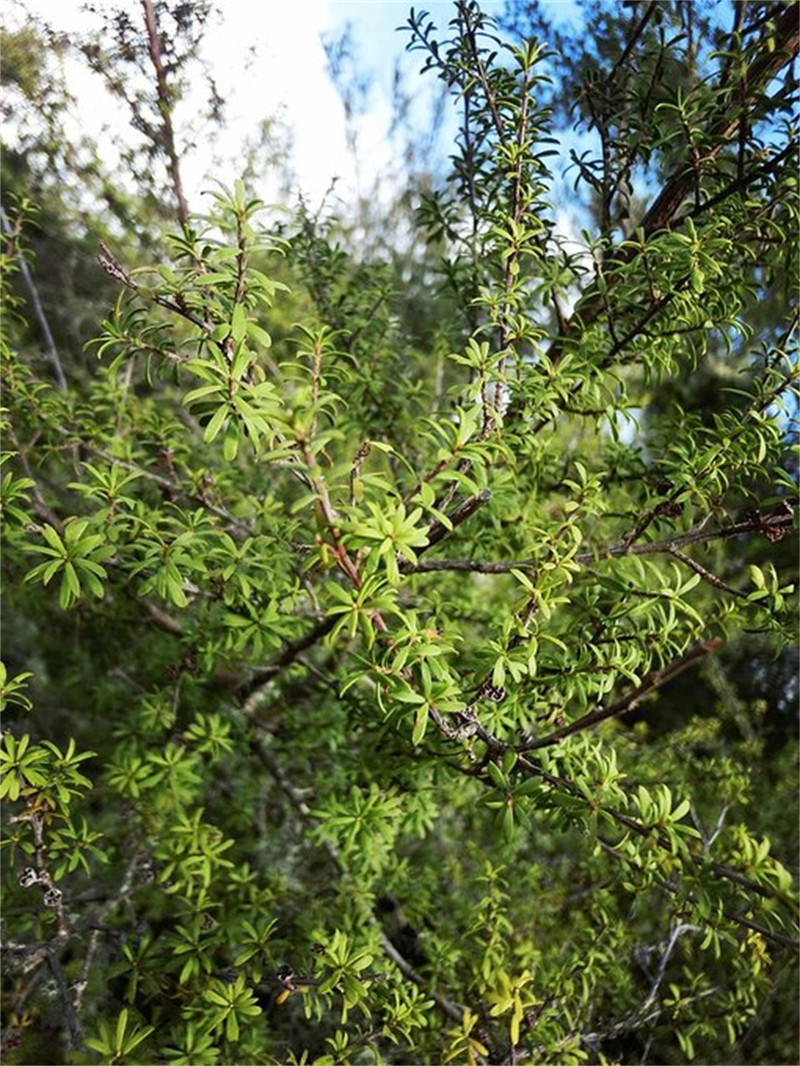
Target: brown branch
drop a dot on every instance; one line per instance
(114, 269)
(317, 482)
(164, 98)
(765, 66)
(73, 1022)
(495, 748)
(773, 525)
(707, 575)
(437, 531)
(161, 618)
(719, 869)
(779, 938)
(449, 1008)
(96, 920)
(619, 344)
(636, 33)
(295, 648)
(172, 487)
(744, 180)
(287, 656)
(40, 505)
(53, 897)
(431, 474)
(469, 32)
(630, 700)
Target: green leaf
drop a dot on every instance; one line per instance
(215, 423)
(238, 323)
(420, 724)
(259, 335)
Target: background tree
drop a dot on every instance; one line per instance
(340, 650)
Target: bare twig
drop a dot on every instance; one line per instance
(161, 618)
(633, 38)
(666, 955)
(707, 575)
(290, 652)
(97, 918)
(73, 1021)
(164, 98)
(454, 1012)
(172, 487)
(115, 269)
(38, 309)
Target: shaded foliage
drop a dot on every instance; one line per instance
(400, 649)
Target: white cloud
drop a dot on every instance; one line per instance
(269, 62)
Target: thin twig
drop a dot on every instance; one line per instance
(114, 269)
(767, 525)
(707, 575)
(635, 34)
(630, 700)
(73, 1021)
(164, 98)
(298, 800)
(38, 308)
(98, 917)
(437, 531)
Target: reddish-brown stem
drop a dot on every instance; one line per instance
(165, 111)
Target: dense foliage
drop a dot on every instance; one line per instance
(399, 656)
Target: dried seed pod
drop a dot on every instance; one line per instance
(52, 896)
(29, 877)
